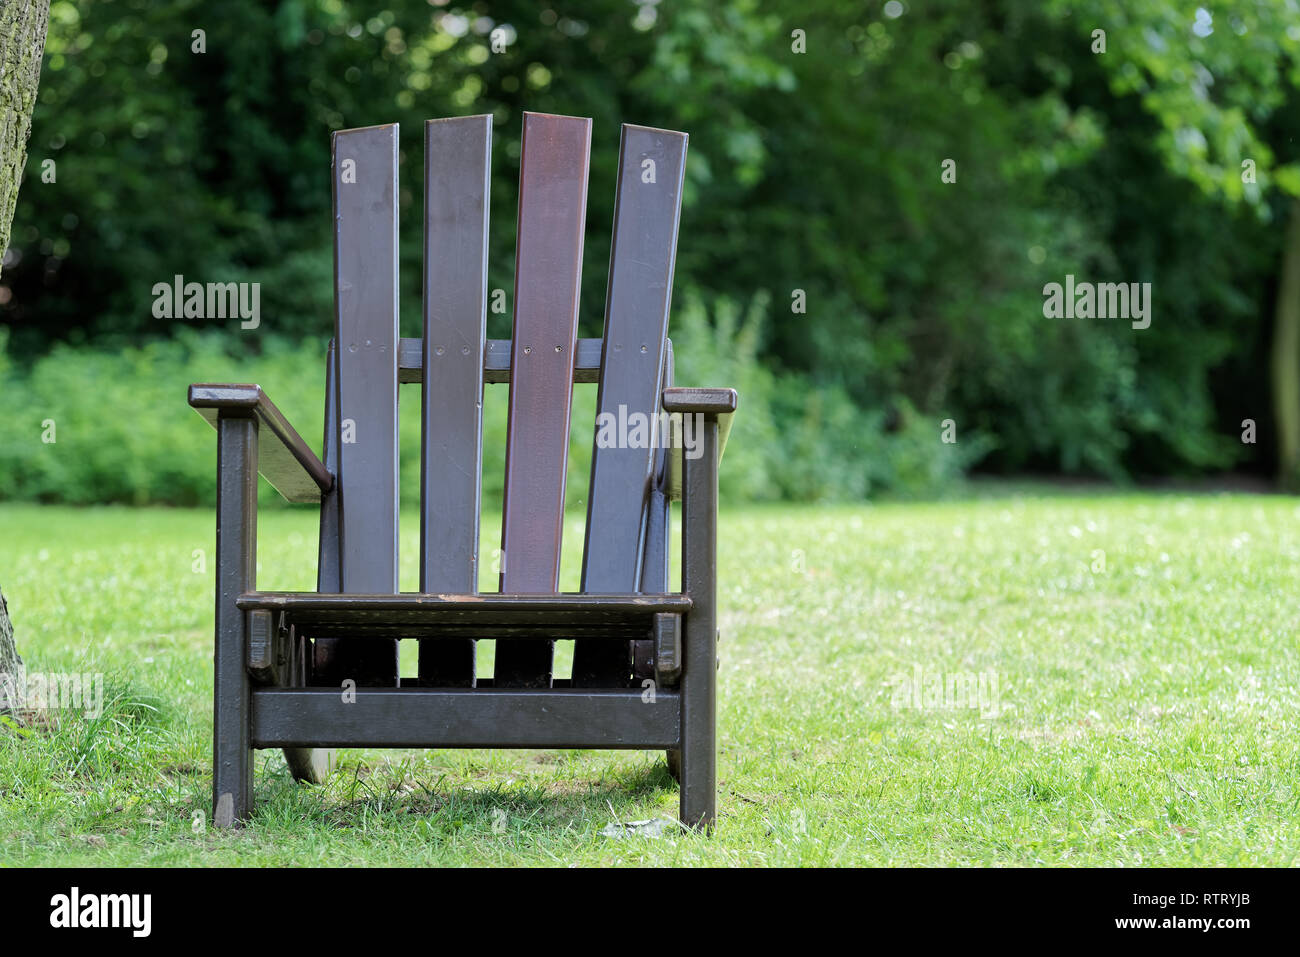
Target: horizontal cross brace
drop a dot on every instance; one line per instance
(466, 718)
(496, 361)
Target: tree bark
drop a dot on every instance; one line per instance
(1286, 357)
(11, 666)
(22, 44)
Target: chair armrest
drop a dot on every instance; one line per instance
(719, 404)
(715, 401)
(288, 463)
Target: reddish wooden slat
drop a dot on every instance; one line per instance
(548, 272)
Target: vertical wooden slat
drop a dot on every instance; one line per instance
(328, 577)
(365, 329)
(457, 165)
(548, 271)
(656, 565)
(324, 650)
(311, 764)
(327, 565)
(642, 254)
(658, 529)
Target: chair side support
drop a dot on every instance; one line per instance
(232, 748)
(699, 759)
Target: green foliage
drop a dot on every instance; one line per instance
(1209, 76)
(120, 427)
(86, 426)
(819, 172)
(237, 138)
(795, 437)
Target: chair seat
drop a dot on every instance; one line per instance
(416, 615)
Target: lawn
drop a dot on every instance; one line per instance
(1105, 679)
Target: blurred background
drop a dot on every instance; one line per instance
(909, 173)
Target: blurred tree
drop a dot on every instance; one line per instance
(22, 41)
(950, 160)
(1286, 357)
(896, 180)
(215, 163)
(1222, 85)
(11, 665)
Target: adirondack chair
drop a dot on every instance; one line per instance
(311, 671)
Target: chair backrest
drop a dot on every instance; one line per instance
(626, 541)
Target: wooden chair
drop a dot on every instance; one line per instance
(312, 671)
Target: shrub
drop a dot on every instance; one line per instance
(122, 432)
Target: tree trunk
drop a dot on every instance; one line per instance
(1286, 357)
(11, 666)
(22, 45)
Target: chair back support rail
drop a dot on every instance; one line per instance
(644, 658)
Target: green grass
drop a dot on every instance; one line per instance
(1147, 711)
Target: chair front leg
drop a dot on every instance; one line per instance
(699, 758)
(232, 749)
